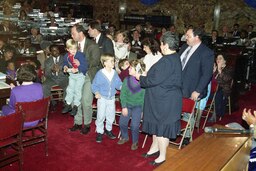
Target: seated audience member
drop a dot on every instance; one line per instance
(214, 39)
(132, 100)
(112, 30)
(2, 44)
(136, 45)
(11, 71)
(173, 30)
(27, 91)
(53, 22)
(23, 15)
(124, 68)
(224, 77)
(149, 30)
(120, 44)
(158, 35)
(35, 36)
(251, 33)
(243, 40)
(225, 32)
(151, 47)
(140, 30)
(5, 26)
(53, 72)
(8, 55)
(75, 64)
(235, 33)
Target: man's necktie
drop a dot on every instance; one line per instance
(185, 57)
(79, 47)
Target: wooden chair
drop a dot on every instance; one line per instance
(229, 99)
(210, 104)
(57, 93)
(35, 111)
(188, 106)
(10, 139)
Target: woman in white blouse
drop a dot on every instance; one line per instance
(120, 46)
(151, 47)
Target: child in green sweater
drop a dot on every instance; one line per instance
(132, 100)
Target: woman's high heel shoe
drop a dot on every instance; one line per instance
(146, 155)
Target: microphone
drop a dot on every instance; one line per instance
(228, 131)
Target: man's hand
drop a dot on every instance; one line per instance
(97, 95)
(195, 95)
(77, 62)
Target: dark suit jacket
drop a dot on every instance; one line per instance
(92, 53)
(105, 45)
(198, 71)
(48, 64)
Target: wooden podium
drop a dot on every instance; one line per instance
(211, 152)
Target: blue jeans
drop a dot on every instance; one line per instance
(135, 114)
(74, 89)
(105, 110)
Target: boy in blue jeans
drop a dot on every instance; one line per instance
(75, 64)
(132, 100)
(104, 86)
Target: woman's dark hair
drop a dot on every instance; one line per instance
(171, 39)
(152, 44)
(26, 72)
(225, 57)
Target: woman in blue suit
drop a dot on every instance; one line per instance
(163, 99)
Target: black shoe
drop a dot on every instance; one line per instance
(73, 111)
(85, 130)
(110, 134)
(99, 137)
(153, 163)
(66, 109)
(186, 141)
(155, 154)
(75, 128)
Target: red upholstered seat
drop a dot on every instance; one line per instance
(10, 139)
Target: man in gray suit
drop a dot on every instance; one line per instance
(53, 71)
(92, 53)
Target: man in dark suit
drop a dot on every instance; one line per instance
(105, 44)
(53, 72)
(197, 67)
(92, 53)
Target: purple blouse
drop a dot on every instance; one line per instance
(24, 93)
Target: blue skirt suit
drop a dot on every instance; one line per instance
(163, 97)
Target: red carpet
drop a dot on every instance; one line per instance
(73, 151)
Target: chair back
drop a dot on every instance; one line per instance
(11, 125)
(214, 87)
(10, 136)
(34, 110)
(188, 105)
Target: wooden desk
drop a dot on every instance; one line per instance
(4, 94)
(210, 152)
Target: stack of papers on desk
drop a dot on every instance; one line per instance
(3, 85)
(2, 76)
